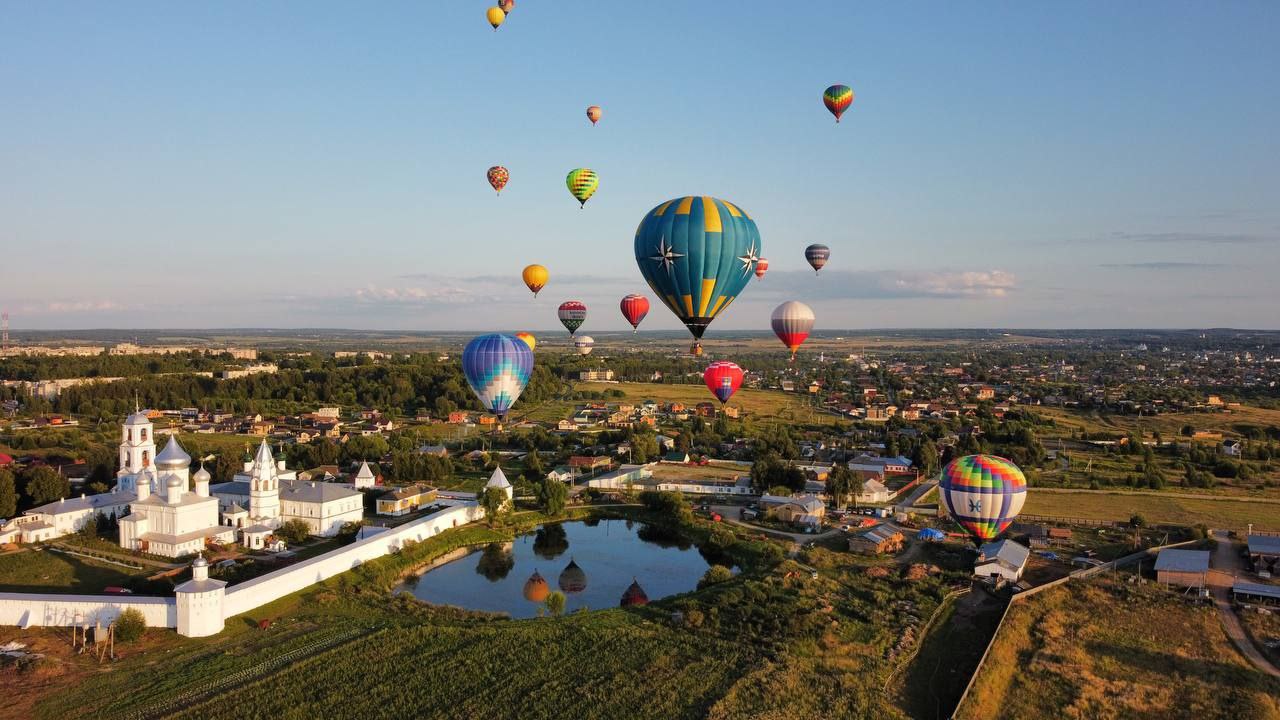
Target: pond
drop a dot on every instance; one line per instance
(594, 562)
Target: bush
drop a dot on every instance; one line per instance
(130, 625)
(294, 531)
(715, 575)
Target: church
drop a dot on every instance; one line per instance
(172, 513)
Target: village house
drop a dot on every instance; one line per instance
(405, 500)
(807, 510)
(876, 540)
(1182, 568)
(1001, 561)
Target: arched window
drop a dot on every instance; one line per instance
(146, 459)
(128, 434)
(143, 433)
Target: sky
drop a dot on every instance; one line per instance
(322, 164)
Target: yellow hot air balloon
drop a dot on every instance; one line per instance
(528, 339)
(535, 276)
(496, 16)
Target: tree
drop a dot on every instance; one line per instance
(494, 501)
(294, 531)
(714, 575)
(1137, 521)
(8, 494)
(555, 603)
(926, 458)
(840, 482)
(43, 484)
(552, 495)
(533, 470)
(130, 625)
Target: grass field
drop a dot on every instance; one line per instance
(49, 571)
(1155, 656)
(1155, 507)
(762, 404)
(1230, 422)
(668, 472)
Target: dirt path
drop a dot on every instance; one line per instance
(1162, 494)
(1225, 567)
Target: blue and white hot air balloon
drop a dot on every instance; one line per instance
(497, 368)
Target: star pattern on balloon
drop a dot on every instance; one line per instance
(666, 256)
(749, 260)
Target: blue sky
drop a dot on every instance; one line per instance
(322, 164)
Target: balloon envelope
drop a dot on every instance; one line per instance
(584, 344)
(582, 184)
(762, 266)
(723, 379)
(495, 16)
(498, 177)
(535, 277)
(792, 323)
(593, 114)
(507, 5)
(634, 308)
(572, 314)
(983, 493)
(817, 255)
(697, 253)
(837, 98)
(528, 339)
(497, 368)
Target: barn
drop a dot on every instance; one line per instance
(1182, 568)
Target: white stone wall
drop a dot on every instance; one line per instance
(261, 590)
(32, 610)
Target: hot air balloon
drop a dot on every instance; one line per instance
(634, 308)
(983, 493)
(572, 314)
(497, 368)
(762, 266)
(792, 322)
(817, 255)
(582, 184)
(498, 177)
(584, 344)
(723, 378)
(697, 253)
(507, 5)
(838, 98)
(496, 16)
(535, 277)
(593, 114)
(528, 339)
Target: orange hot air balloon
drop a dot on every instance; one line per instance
(507, 5)
(593, 114)
(528, 339)
(535, 277)
(495, 16)
(762, 266)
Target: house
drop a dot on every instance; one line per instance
(436, 450)
(589, 463)
(883, 466)
(458, 417)
(801, 510)
(1001, 561)
(566, 426)
(563, 473)
(1264, 551)
(676, 456)
(1183, 568)
(705, 409)
(407, 499)
(876, 540)
(874, 492)
(1231, 448)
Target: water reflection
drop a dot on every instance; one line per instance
(609, 560)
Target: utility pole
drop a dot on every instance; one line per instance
(4, 331)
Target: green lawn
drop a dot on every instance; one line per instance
(50, 571)
(761, 404)
(1155, 656)
(1155, 507)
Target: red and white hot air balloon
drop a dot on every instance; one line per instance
(634, 308)
(762, 266)
(723, 378)
(792, 323)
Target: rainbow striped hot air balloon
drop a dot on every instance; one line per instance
(983, 493)
(697, 253)
(838, 98)
(582, 183)
(497, 368)
(723, 378)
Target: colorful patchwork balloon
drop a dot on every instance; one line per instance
(723, 379)
(983, 493)
(572, 314)
(582, 183)
(838, 98)
(497, 368)
(697, 253)
(498, 177)
(634, 308)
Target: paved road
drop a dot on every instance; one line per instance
(919, 492)
(1225, 566)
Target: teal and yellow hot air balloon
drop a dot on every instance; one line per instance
(582, 183)
(697, 253)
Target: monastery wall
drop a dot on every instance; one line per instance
(33, 610)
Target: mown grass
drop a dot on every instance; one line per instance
(762, 404)
(1155, 507)
(54, 572)
(1154, 656)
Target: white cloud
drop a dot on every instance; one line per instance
(50, 307)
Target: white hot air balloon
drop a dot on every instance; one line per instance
(584, 344)
(792, 322)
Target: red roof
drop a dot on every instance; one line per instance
(5, 460)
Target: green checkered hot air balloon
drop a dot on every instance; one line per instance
(582, 183)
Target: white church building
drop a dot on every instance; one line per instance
(169, 516)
